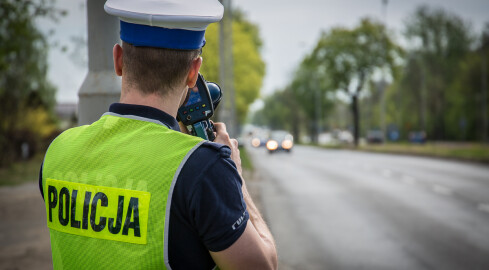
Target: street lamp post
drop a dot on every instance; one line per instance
(484, 97)
(227, 109)
(384, 82)
(318, 109)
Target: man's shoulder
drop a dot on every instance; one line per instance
(213, 149)
(68, 134)
(207, 161)
(208, 156)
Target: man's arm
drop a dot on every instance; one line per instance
(255, 248)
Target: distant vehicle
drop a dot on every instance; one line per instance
(375, 136)
(258, 136)
(341, 136)
(417, 137)
(258, 142)
(345, 136)
(393, 133)
(280, 140)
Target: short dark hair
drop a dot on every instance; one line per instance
(156, 70)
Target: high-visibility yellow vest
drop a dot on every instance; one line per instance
(107, 189)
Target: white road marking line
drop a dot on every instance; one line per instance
(387, 173)
(442, 190)
(366, 167)
(483, 207)
(408, 180)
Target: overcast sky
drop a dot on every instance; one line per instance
(289, 30)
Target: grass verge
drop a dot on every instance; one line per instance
(246, 163)
(476, 152)
(21, 172)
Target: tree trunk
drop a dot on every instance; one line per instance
(295, 128)
(313, 132)
(356, 119)
(355, 110)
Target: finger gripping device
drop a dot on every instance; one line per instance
(199, 107)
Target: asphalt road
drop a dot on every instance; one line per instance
(337, 209)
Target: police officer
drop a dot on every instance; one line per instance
(131, 191)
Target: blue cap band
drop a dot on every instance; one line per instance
(152, 36)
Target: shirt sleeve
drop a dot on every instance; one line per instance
(216, 205)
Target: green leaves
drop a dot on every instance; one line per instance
(434, 80)
(354, 55)
(343, 60)
(23, 69)
(249, 68)
(350, 58)
(439, 86)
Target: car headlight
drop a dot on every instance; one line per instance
(272, 145)
(255, 142)
(287, 144)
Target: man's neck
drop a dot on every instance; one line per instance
(168, 103)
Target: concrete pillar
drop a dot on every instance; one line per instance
(101, 86)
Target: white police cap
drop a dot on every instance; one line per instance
(172, 24)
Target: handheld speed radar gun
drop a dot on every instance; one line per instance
(199, 107)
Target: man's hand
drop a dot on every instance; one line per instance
(222, 137)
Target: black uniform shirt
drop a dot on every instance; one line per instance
(207, 209)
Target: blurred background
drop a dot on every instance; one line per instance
(363, 124)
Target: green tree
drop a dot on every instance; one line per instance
(370, 105)
(274, 113)
(406, 100)
(281, 111)
(467, 96)
(442, 42)
(249, 67)
(309, 88)
(300, 106)
(24, 87)
(351, 57)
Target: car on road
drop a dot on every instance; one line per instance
(258, 142)
(280, 140)
(417, 137)
(375, 136)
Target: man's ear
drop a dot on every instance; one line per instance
(193, 74)
(117, 53)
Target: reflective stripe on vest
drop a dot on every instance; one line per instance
(108, 189)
